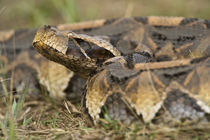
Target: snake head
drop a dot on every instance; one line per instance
(80, 53)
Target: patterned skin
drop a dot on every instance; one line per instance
(158, 77)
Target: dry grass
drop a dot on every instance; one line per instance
(23, 117)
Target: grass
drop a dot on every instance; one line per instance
(23, 117)
(32, 13)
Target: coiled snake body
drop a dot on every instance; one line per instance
(153, 69)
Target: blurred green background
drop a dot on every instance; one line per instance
(34, 13)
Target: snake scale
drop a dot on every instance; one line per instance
(153, 69)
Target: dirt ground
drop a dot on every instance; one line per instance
(40, 118)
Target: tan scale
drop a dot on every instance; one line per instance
(55, 78)
(146, 99)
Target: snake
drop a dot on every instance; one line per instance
(138, 69)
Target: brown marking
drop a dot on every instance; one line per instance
(204, 92)
(5, 35)
(130, 84)
(82, 25)
(105, 81)
(200, 50)
(189, 78)
(152, 44)
(183, 47)
(204, 26)
(55, 78)
(146, 100)
(162, 65)
(164, 21)
(157, 81)
(135, 35)
(166, 50)
(175, 85)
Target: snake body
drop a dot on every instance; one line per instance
(154, 69)
(140, 69)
